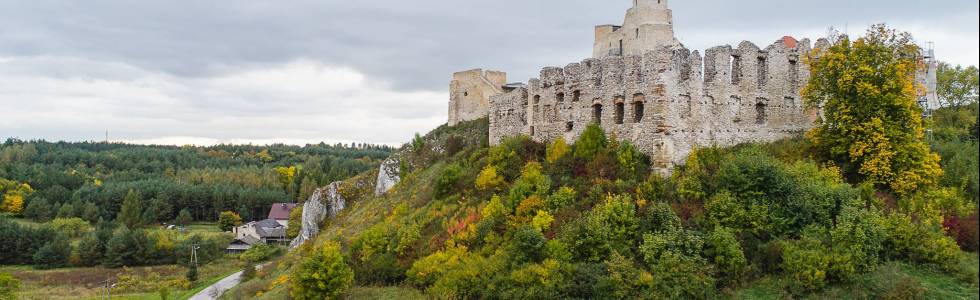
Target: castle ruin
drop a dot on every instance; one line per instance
(643, 86)
(470, 91)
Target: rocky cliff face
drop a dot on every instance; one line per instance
(388, 175)
(325, 202)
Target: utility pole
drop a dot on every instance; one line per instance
(194, 248)
(107, 289)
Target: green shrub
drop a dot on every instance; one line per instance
(556, 150)
(259, 253)
(564, 196)
(679, 241)
(659, 217)
(858, 241)
(919, 243)
(890, 283)
(528, 245)
(545, 280)
(592, 140)
(633, 164)
(248, 272)
(676, 276)
(322, 275)
(531, 182)
(445, 184)
(488, 179)
(72, 227)
(722, 248)
(609, 226)
(806, 264)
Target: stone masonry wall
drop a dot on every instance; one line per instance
(663, 102)
(470, 92)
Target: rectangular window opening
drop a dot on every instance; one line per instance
(620, 111)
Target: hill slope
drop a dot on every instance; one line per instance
(527, 220)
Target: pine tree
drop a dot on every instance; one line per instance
(38, 210)
(149, 216)
(54, 254)
(191, 273)
(66, 211)
(90, 212)
(130, 214)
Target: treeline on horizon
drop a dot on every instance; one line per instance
(90, 179)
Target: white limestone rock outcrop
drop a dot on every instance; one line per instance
(388, 175)
(325, 202)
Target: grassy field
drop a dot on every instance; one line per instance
(893, 280)
(86, 283)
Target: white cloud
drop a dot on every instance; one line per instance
(299, 102)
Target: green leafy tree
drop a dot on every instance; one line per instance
(592, 140)
(957, 86)
(872, 124)
(295, 222)
(228, 220)
(322, 275)
(130, 214)
(184, 217)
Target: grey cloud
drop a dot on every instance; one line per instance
(175, 49)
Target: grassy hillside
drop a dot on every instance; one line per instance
(588, 220)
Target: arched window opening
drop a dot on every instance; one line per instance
(576, 95)
(560, 97)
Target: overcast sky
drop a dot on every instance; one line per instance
(305, 71)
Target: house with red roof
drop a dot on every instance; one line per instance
(280, 212)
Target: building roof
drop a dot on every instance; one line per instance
(789, 41)
(280, 211)
(270, 232)
(267, 223)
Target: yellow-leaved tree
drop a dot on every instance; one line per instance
(872, 125)
(12, 196)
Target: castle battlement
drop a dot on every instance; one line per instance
(662, 102)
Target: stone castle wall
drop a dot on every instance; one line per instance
(663, 102)
(470, 91)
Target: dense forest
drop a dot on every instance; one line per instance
(44, 180)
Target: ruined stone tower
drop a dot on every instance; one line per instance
(470, 91)
(648, 25)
